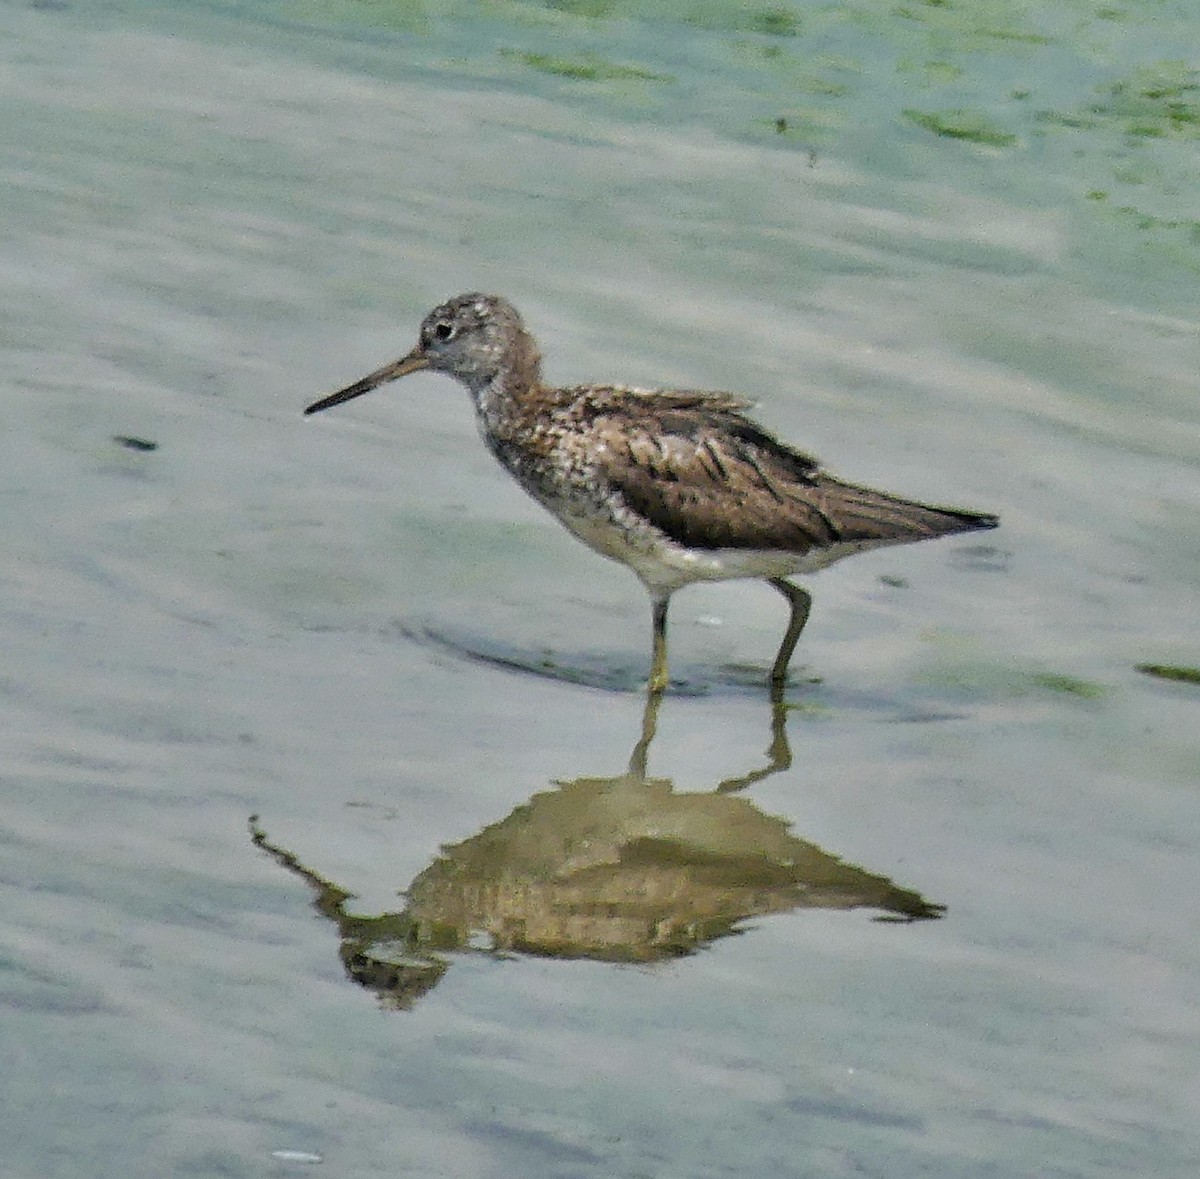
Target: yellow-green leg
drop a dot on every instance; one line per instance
(658, 661)
(801, 603)
(641, 751)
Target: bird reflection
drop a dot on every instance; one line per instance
(617, 869)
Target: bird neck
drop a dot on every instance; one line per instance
(514, 381)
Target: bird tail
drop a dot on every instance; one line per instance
(861, 514)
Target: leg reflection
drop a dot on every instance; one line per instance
(779, 752)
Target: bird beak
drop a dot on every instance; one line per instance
(413, 362)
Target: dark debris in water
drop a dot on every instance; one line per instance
(130, 442)
(1171, 671)
(980, 558)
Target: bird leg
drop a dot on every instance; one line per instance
(637, 759)
(658, 662)
(801, 603)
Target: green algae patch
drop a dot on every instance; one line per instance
(930, 73)
(1170, 241)
(809, 710)
(979, 24)
(1146, 221)
(585, 68)
(397, 16)
(1158, 102)
(960, 667)
(588, 9)
(805, 127)
(1068, 684)
(774, 22)
(1071, 121)
(965, 125)
(820, 87)
(1170, 671)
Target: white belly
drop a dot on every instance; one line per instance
(664, 566)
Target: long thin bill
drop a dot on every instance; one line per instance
(411, 363)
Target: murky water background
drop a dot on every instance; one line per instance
(951, 249)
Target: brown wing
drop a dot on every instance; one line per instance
(710, 478)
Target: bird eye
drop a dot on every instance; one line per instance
(443, 329)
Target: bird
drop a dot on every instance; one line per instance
(679, 485)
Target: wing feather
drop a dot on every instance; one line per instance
(710, 478)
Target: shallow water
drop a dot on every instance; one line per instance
(963, 267)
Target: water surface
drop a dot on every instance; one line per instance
(950, 249)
